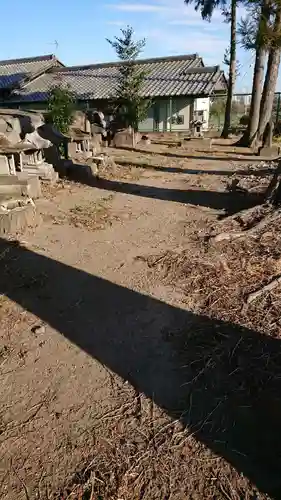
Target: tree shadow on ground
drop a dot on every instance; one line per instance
(186, 155)
(263, 172)
(177, 170)
(230, 202)
(221, 380)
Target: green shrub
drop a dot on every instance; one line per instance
(61, 107)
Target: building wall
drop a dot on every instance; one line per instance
(148, 124)
(202, 107)
(160, 117)
(163, 107)
(181, 114)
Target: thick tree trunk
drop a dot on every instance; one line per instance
(232, 71)
(269, 89)
(250, 135)
(270, 80)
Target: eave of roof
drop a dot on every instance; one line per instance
(24, 60)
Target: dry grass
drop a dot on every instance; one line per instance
(92, 216)
(49, 191)
(120, 172)
(228, 378)
(231, 381)
(217, 278)
(141, 454)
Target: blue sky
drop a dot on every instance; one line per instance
(81, 29)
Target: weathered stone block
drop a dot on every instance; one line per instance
(45, 172)
(137, 137)
(123, 139)
(96, 129)
(95, 144)
(72, 150)
(4, 165)
(145, 140)
(31, 187)
(270, 152)
(14, 217)
(20, 185)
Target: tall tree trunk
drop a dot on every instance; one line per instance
(270, 79)
(232, 71)
(256, 96)
(250, 135)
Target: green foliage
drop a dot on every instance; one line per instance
(258, 27)
(61, 107)
(128, 103)
(244, 120)
(226, 61)
(207, 7)
(247, 31)
(218, 107)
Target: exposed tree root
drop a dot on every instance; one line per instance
(252, 220)
(270, 216)
(272, 194)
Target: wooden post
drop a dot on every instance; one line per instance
(171, 112)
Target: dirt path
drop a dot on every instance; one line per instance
(80, 316)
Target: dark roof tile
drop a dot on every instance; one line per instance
(180, 75)
(15, 72)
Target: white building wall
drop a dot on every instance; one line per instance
(203, 104)
(181, 114)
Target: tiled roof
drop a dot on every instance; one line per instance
(171, 76)
(15, 72)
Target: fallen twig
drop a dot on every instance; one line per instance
(224, 492)
(21, 481)
(267, 288)
(229, 236)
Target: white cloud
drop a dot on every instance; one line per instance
(210, 46)
(173, 11)
(198, 23)
(119, 24)
(139, 7)
(181, 31)
(184, 22)
(172, 28)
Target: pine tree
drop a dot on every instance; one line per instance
(128, 102)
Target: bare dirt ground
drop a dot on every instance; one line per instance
(129, 368)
